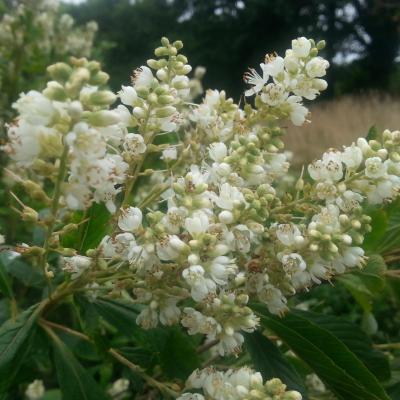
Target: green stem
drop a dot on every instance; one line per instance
(54, 211)
(47, 325)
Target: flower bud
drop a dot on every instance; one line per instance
(99, 79)
(59, 71)
(102, 98)
(165, 112)
(103, 118)
(138, 112)
(161, 52)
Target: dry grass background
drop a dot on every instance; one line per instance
(339, 122)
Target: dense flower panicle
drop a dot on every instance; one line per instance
(211, 226)
(241, 384)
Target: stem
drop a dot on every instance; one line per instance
(206, 346)
(54, 210)
(388, 346)
(163, 388)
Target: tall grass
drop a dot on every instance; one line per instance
(341, 121)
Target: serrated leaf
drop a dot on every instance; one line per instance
(96, 227)
(338, 367)
(355, 339)
(15, 336)
(122, 315)
(178, 357)
(75, 381)
(270, 362)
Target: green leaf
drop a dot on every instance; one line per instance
(121, 315)
(178, 356)
(355, 339)
(268, 360)
(346, 376)
(75, 382)
(364, 285)
(5, 279)
(16, 266)
(96, 227)
(379, 224)
(373, 133)
(15, 336)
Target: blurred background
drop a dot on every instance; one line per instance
(228, 36)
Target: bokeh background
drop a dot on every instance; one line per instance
(228, 36)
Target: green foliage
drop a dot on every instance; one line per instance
(74, 380)
(15, 337)
(269, 360)
(329, 357)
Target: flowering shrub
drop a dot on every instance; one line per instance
(160, 212)
(33, 33)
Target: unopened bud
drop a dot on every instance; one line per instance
(102, 98)
(59, 71)
(103, 118)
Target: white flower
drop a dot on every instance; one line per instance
(274, 94)
(375, 168)
(288, 234)
(35, 390)
(316, 67)
(293, 262)
(170, 248)
(229, 197)
(169, 154)
(217, 151)
(301, 47)
(197, 224)
(169, 312)
(297, 112)
(119, 386)
(352, 156)
(134, 144)
(35, 108)
(221, 268)
(76, 265)
(253, 78)
(142, 77)
(196, 323)
(200, 286)
(191, 396)
(274, 65)
(130, 219)
(128, 95)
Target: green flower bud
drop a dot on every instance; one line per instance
(99, 79)
(102, 98)
(103, 118)
(60, 71)
(178, 44)
(165, 112)
(165, 41)
(161, 52)
(321, 44)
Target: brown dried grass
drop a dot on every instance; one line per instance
(339, 122)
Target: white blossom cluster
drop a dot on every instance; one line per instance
(53, 32)
(208, 228)
(241, 384)
(69, 125)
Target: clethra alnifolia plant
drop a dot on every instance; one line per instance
(200, 217)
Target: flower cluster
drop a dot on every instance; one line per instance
(241, 384)
(54, 32)
(210, 226)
